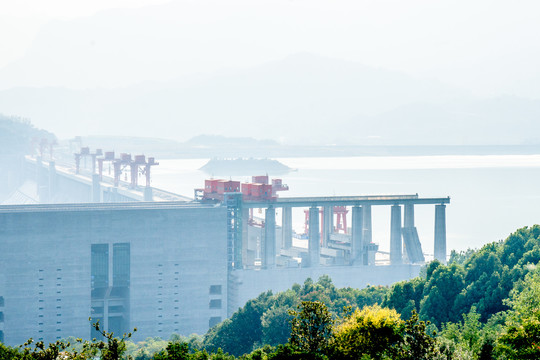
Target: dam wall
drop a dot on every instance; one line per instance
(157, 268)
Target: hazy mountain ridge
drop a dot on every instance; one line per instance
(301, 99)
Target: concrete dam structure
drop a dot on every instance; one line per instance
(180, 266)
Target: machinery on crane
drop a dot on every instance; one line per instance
(260, 188)
(137, 166)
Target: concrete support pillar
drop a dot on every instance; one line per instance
(96, 189)
(328, 224)
(396, 256)
(52, 180)
(408, 217)
(148, 195)
(270, 238)
(357, 246)
(367, 237)
(42, 182)
(114, 195)
(286, 228)
(440, 233)
(245, 226)
(314, 237)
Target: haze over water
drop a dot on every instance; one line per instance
(491, 195)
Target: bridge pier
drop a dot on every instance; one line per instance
(270, 238)
(314, 237)
(440, 233)
(96, 189)
(396, 246)
(286, 228)
(408, 217)
(148, 196)
(52, 179)
(357, 244)
(367, 236)
(245, 235)
(328, 224)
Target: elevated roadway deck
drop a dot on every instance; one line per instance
(345, 201)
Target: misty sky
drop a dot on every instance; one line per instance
(485, 47)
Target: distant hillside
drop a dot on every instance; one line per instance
(18, 137)
(218, 140)
(300, 99)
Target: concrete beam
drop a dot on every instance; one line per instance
(346, 201)
(396, 246)
(440, 233)
(314, 237)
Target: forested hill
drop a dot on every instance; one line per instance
(16, 135)
(475, 283)
(482, 279)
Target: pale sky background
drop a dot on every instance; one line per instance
(487, 47)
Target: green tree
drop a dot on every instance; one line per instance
(416, 343)
(238, 334)
(111, 348)
(372, 331)
(174, 351)
(276, 325)
(7, 352)
(443, 285)
(311, 327)
(521, 340)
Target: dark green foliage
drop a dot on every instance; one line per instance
(311, 327)
(405, 297)
(7, 352)
(174, 351)
(238, 334)
(43, 352)
(266, 319)
(440, 291)
(416, 343)
(522, 341)
(111, 348)
(521, 338)
(461, 257)
(481, 279)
